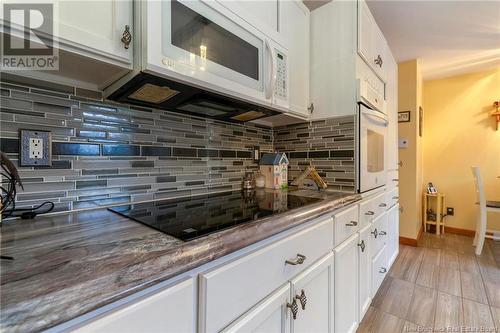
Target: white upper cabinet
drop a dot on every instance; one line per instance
(295, 27)
(313, 292)
(372, 46)
(96, 28)
(265, 15)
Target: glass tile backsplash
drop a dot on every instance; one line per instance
(106, 153)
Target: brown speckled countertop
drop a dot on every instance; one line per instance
(67, 265)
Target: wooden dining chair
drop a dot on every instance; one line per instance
(485, 206)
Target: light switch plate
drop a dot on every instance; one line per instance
(35, 148)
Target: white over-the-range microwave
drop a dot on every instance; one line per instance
(371, 133)
(205, 60)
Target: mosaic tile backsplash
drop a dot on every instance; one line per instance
(326, 144)
(107, 154)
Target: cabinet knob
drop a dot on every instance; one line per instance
(126, 37)
(294, 308)
(299, 260)
(362, 245)
(302, 299)
(382, 233)
(383, 205)
(370, 212)
(383, 270)
(375, 233)
(351, 224)
(395, 197)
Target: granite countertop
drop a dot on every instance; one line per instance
(67, 265)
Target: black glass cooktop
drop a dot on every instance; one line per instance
(190, 218)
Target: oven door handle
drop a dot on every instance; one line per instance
(377, 114)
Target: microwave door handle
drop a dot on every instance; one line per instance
(269, 85)
(272, 74)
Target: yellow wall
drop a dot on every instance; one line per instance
(459, 133)
(410, 172)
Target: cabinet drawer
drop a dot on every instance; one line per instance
(379, 271)
(392, 197)
(346, 224)
(379, 233)
(229, 291)
(371, 208)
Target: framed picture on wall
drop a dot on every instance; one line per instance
(404, 117)
(420, 121)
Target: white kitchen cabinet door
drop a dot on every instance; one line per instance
(313, 292)
(169, 310)
(365, 27)
(372, 46)
(392, 235)
(346, 286)
(379, 270)
(265, 15)
(95, 27)
(365, 269)
(296, 29)
(271, 315)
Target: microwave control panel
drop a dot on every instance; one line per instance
(281, 75)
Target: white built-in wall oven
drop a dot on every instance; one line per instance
(371, 134)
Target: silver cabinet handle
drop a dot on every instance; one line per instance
(375, 232)
(370, 212)
(294, 308)
(395, 179)
(299, 260)
(382, 233)
(126, 37)
(383, 270)
(351, 224)
(395, 197)
(362, 245)
(383, 205)
(378, 61)
(302, 299)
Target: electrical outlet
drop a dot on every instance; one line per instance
(35, 148)
(450, 211)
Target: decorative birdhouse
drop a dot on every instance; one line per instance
(274, 167)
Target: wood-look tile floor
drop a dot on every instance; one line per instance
(439, 286)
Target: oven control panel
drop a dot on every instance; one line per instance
(281, 76)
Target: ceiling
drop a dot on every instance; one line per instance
(450, 37)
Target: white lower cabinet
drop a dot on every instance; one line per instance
(313, 290)
(169, 310)
(270, 315)
(303, 305)
(365, 270)
(379, 270)
(392, 234)
(346, 286)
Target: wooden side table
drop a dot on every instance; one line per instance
(434, 211)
